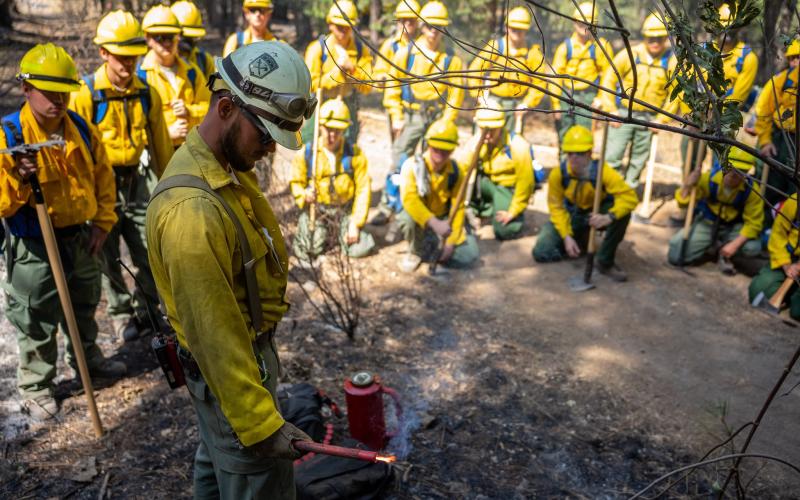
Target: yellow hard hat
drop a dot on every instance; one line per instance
(741, 159)
(490, 118)
(343, 14)
(585, 11)
(257, 4)
(161, 20)
(793, 49)
(577, 139)
(654, 27)
(49, 67)
(435, 14)
(725, 14)
(442, 134)
(190, 18)
(121, 34)
(334, 114)
(519, 18)
(406, 9)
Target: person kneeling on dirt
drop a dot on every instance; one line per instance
(428, 188)
(340, 180)
(783, 262)
(570, 194)
(505, 175)
(729, 209)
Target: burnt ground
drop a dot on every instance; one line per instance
(513, 387)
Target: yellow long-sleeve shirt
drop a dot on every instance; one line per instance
(784, 240)
(77, 184)
(196, 260)
(581, 60)
(434, 93)
(580, 193)
(437, 202)
(752, 214)
(775, 105)
(326, 74)
(740, 66)
(123, 126)
(194, 95)
(654, 86)
(499, 60)
(246, 36)
(389, 49)
(332, 184)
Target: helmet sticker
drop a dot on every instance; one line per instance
(262, 66)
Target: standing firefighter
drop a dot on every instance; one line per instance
(257, 14)
(181, 85)
(338, 61)
(429, 187)
(338, 181)
(127, 113)
(407, 27)
(505, 176)
(500, 58)
(570, 192)
(654, 64)
(784, 249)
(78, 187)
(220, 265)
(729, 210)
(581, 57)
(192, 31)
(775, 121)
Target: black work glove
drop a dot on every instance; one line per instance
(279, 444)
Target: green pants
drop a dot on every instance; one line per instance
(550, 246)
(307, 246)
(133, 194)
(223, 468)
(639, 137)
(768, 281)
(568, 119)
(784, 144)
(415, 125)
(701, 239)
(350, 135)
(424, 243)
(491, 198)
(35, 310)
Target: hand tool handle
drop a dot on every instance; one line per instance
(591, 248)
(312, 210)
(777, 298)
(648, 178)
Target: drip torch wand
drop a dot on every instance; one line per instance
(339, 451)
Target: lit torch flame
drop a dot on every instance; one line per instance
(389, 459)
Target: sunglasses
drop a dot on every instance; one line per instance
(163, 39)
(259, 11)
(266, 138)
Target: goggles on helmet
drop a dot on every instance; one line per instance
(293, 105)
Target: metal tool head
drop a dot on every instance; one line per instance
(761, 301)
(578, 284)
(640, 219)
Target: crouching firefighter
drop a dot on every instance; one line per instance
(570, 192)
(429, 188)
(220, 265)
(729, 210)
(337, 181)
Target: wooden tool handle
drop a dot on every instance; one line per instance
(687, 168)
(777, 299)
(598, 190)
(312, 209)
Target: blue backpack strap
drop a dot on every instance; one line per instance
(788, 83)
(452, 179)
(665, 59)
(191, 74)
(99, 101)
(564, 175)
(568, 43)
(12, 126)
(359, 49)
(593, 51)
(322, 49)
(448, 58)
(141, 73)
(239, 39)
(395, 46)
(201, 60)
(593, 172)
(507, 150)
(501, 45)
(405, 91)
(740, 62)
(347, 158)
(309, 159)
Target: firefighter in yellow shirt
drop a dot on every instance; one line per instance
(428, 188)
(654, 66)
(500, 58)
(570, 194)
(337, 183)
(181, 85)
(775, 118)
(127, 113)
(257, 15)
(338, 61)
(78, 187)
(192, 31)
(407, 29)
(505, 179)
(729, 209)
(783, 258)
(579, 56)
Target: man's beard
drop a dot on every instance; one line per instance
(235, 159)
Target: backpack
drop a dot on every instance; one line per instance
(713, 189)
(100, 100)
(25, 223)
(592, 55)
(334, 478)
(191, 74)
(392, 189)
(405, 93)
(305, 407)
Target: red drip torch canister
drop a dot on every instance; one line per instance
(364, 397)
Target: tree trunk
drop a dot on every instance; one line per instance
(5, 13)
(375, 10)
